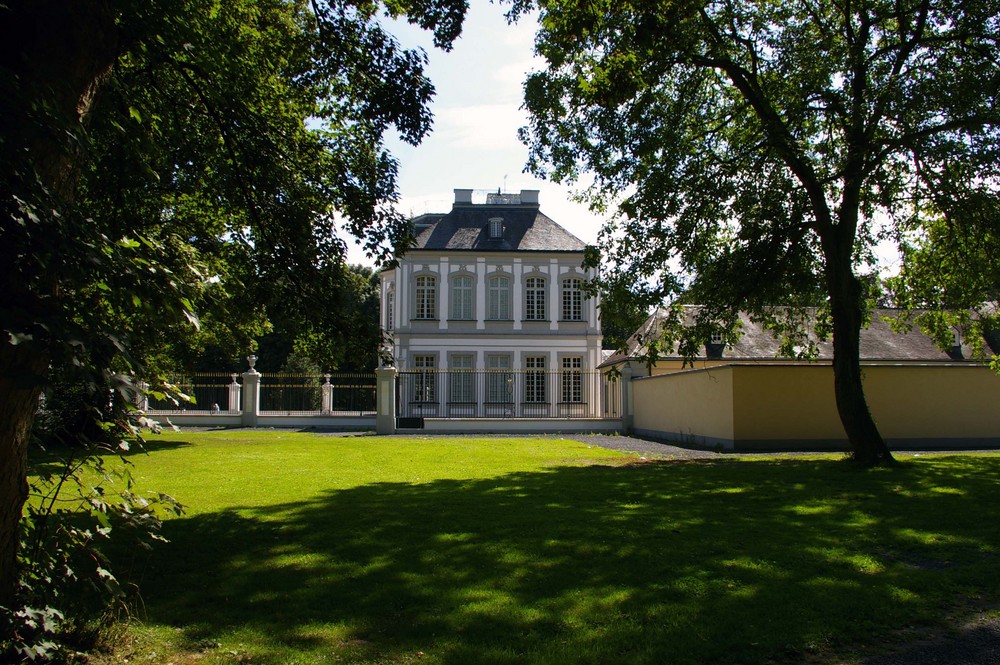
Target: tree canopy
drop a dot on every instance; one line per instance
(754, 153)
(164, 161)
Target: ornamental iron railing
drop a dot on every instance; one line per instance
(507, 393)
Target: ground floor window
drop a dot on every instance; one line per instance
(460, 378)
(499, 383)
(572, 379)
(534, 379)
(425, 378)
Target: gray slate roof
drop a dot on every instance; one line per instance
(466, 228)
(879, 342)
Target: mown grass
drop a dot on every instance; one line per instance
(299, 548)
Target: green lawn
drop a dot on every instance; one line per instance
(299, 548)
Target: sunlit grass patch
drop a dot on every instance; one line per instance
(319, 549)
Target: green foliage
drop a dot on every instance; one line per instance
(722, 121)
(544, 550)
(242, 161)
(755, 152)
(174, 163)
(67, 587)
(949, 281)
(228, 146)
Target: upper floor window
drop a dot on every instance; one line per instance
(461, 298)
(499, 298)
(534, 299)
(390, 306)
(496, 228)
(426, 298)
(572, 299)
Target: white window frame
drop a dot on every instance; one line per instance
(535, 290)
(499, 298)
(572, 299)
(462, 298)
(499, 383)
(496, 228)
(571, 379)
(461, 379)
(425, 381)
(535, 384)
(390, 307)
(425, 297)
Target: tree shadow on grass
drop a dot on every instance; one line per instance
(723, 562)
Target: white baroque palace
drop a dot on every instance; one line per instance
(491, 286)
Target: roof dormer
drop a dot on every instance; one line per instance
(496, 228)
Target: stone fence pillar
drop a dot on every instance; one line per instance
(327, 407)
(251, 394)
(385, 398)
(234, 395)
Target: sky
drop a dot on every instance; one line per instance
(477, 112)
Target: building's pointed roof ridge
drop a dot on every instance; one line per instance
(525, 228)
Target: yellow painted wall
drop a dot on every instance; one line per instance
(785, 402)
(746, 403)
(696, 403)
(945, 402)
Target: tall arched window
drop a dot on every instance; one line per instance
(425, 305)
(572, 299)
(461, 297)
(499, 298)
(534, 299)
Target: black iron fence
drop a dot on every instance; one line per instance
(200, 392)
(568, 393)
(312, 394)
(280, 394)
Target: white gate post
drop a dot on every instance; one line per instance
(234, 395)
(385, 396)
(251, 394)
(327, 396)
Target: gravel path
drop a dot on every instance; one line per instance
(647, 449)
(975, 643)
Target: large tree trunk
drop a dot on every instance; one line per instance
(846, 304)
(22, 370)
(54, 56)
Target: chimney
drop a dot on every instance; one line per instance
(529, 196)
(463, 196)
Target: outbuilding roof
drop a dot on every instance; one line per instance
(879, 342)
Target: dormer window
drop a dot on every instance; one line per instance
(496, 228)
(716, 338)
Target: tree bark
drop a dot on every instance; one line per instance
(22, 371)
(846, 304)
(54, 57)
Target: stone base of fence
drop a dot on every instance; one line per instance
(340, 423)
(513, 426)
